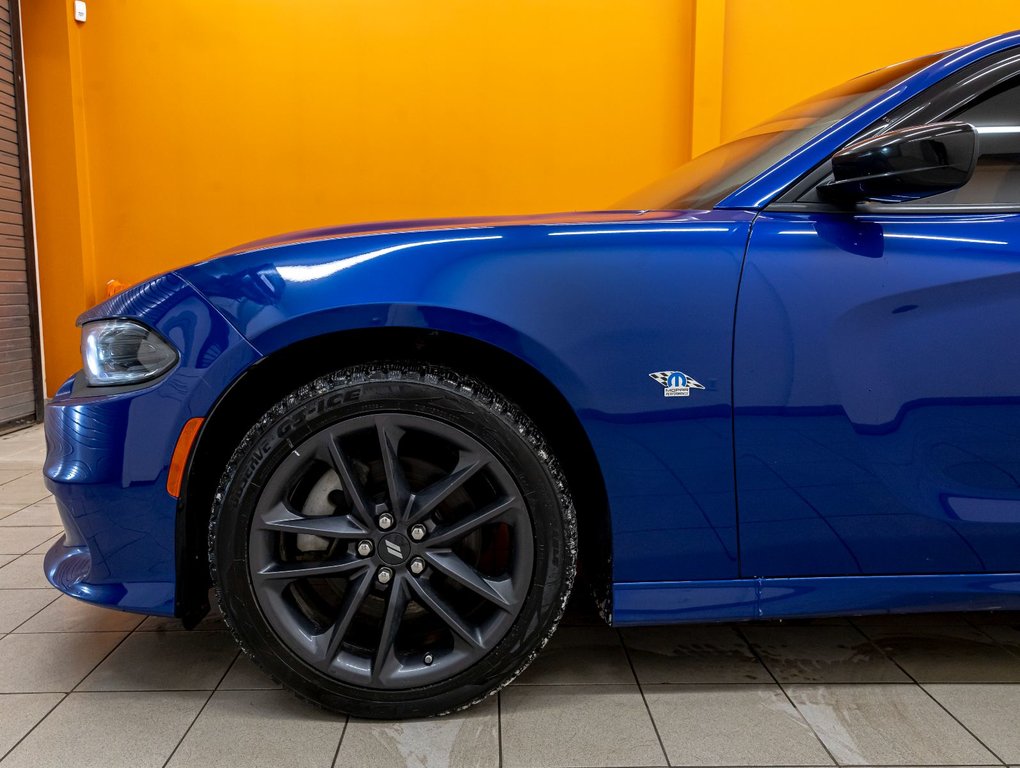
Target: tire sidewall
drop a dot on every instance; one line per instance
(464, 405)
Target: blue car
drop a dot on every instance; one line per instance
(781, 382)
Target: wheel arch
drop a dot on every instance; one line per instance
(283, 370)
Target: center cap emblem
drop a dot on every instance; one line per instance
(394, 549)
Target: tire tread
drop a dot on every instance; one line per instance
(443, 378)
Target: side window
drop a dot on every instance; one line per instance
(996, 181)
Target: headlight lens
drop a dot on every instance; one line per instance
(123, 352)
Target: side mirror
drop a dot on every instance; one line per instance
(907, 164)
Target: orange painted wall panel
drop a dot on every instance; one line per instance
(212, 123)
(780, 52)
(57, 177)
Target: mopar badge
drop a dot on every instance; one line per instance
(676, 383)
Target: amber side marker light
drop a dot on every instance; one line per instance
(180, 458)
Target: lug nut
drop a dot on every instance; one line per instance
(385, 521)
(428, 659)
(417, 566)
(418, 532)
(384, 576)
(364, 547)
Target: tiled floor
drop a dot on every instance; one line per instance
(81, 686)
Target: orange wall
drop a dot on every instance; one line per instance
(164, 132)
(782, 51)
(207, 124)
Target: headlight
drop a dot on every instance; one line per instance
(123, 352)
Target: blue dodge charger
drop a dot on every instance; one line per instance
(782, 381)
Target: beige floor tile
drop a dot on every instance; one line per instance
(25, 490)
(17, 540)
(991, 712)
(260, 728)
(244, 675)
(25, 572)
(19, 713)
(109, 730)
(6, 475)
(43, 548)
(165, 661)
(24, 450)
(27, 466)
(39, 514)
(467, 739)
(692, 654)
(555, 726)
(886, 725)
(6, 510)
(821, 654)
(948, 654)
(19, 605)
(51, 663)
(1005, 635)
(66, 614)
(580, 656)
(4, 559)
(732, 725)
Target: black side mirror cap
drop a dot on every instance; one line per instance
(906, 164)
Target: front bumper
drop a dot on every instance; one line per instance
(108, 454)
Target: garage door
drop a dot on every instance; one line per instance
(20, 391)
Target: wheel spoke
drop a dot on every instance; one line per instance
(396, 482)
(357, 589)
(446, 492)
(281, 518)
(445, 612)
(445, 536)
(430, 498)
(493, 590)
(385, 656)
(360, 504)
(287, 572)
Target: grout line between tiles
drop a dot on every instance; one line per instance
(973, 735)
(49, 711)
(188, 729)
(96, 666)
(200, 711)
(499, 726)
(754, 652)
(51, 602)
(927, 693)
(343, 732)
(1012, 651)
(641, 690)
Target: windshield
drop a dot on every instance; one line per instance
(708, 178)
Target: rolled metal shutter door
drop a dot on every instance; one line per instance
(20, 369)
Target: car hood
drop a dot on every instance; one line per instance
(424, 225)
(483, 270)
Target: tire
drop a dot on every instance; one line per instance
(480, 548)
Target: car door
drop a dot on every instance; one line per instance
(876, 370)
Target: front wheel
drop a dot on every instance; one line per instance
(393, 541)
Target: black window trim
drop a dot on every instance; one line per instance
(929, 106)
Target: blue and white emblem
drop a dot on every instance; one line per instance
(676, 383)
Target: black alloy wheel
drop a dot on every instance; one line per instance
(393, 541)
